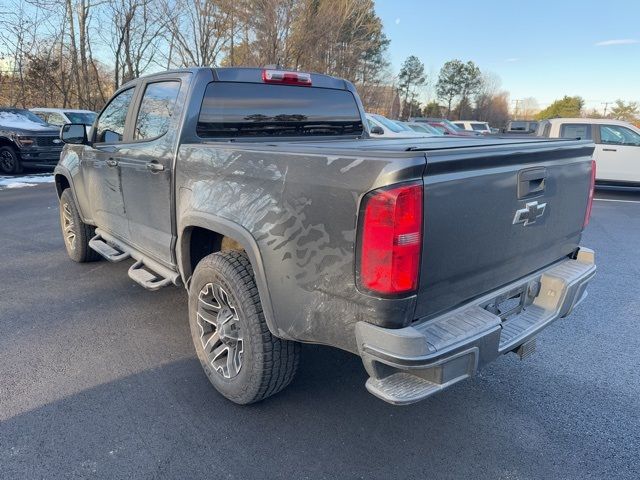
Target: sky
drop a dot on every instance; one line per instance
(539, 48)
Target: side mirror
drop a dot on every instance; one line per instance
(73, 133)
(376, 130)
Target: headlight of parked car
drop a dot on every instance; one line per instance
(24, 141)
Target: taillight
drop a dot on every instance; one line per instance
(287, 78)
(391, 240)
(592, 187)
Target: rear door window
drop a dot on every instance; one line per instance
(156, 109)
(232, 109)
(576, 130)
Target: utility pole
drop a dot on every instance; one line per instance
(606, 104)
(515, 113)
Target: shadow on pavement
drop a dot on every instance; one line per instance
(167, 422)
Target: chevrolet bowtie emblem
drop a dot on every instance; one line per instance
(529, 214)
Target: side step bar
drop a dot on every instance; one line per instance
(149, 280)
(145, 272)
(106, 250)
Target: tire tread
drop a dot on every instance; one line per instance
(277, 358)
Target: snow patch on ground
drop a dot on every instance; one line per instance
(24, 181)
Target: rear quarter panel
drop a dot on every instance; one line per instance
(301, 210)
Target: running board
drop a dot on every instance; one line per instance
(142, 275)
(145, 272)
(107, 251)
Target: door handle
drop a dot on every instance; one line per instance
(609, 150)
(112, 162)
(531, 181)
(155, 167)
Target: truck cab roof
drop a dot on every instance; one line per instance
(249, 75)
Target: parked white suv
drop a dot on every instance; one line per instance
(474, 126)
(61, 116)
(380, 126)
(617, 152)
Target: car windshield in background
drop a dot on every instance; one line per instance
(86, 118)
(480, 127)
(391, 125)
(451, 125)
(257, 110)
(403, 126)
(20, 118)
(418, 128)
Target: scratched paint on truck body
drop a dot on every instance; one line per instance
(302, 211)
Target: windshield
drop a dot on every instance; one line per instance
(86, 118)
(404, 127)
(18, 118)
(10, 116)
(390, 124)
(418, 128)
(424, 128)
(452, 126)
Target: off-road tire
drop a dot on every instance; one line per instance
(70, 223)
(9, 160)
(268, 363)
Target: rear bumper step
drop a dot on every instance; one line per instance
(412, 363)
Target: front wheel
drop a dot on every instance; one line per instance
(9, 160)
(75, 232)
(240, 356)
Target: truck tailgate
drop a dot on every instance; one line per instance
(496, 213)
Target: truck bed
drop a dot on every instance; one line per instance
(470, 243)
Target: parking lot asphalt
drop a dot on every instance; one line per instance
(98, 379)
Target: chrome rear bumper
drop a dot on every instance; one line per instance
(409, 364)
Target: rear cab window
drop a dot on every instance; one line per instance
(234, 109)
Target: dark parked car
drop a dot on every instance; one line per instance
(261, 192)
(27, 141)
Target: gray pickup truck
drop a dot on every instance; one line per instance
(261, 192)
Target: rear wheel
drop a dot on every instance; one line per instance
(75, 232)
(240, 356)
(9, 160)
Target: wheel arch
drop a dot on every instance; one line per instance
(62, 183)
(6, 142)
(219, 228)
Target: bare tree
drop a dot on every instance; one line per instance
(200, 30)
(138, 27)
